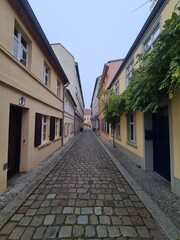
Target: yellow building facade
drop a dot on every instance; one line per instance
(31, 92)
(151, 140)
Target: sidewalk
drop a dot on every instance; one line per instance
(78, 193)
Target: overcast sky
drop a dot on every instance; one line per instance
(93, 31)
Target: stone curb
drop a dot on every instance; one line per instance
(167, 226)
(56, 157)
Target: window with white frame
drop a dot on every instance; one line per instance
(131, 125)
(118, 129)
(129, 72)
(44, 130)
(116, 86)
(46, 75)
(148, 45)
(20, 47)
(56, 127)
(58, 88)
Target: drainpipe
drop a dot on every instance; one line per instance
(64, 89)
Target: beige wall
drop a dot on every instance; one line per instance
(18, 81)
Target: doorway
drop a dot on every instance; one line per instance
(14, 144)
(161, 148)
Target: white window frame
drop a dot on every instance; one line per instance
(150, 41)
(44, 129)
(56, 127)
(58, 88)
(46, 74)
(129, 72)
(118, 129)
(131, 128)
(20, 50)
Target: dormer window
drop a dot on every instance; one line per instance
(20, 47)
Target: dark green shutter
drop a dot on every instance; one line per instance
(52, 129)
(61, 127)
(37, 135)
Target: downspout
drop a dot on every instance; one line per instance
(64, 89)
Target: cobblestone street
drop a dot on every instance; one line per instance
(83, 197)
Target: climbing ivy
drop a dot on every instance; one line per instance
(156, 79)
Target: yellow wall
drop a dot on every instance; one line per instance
(138, 149)
(175, 118)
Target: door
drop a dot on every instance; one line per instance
(15, 118)
(161, 149)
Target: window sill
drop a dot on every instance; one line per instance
(132, 144)
(56, 139)
(44, 144)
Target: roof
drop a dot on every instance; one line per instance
(70, 96)
(87, 111)
(151, 17)
(26, 14)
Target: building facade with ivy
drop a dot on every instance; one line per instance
(150, 136)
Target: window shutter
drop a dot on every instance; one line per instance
(52, 129)
(37, 135)
(61, 127)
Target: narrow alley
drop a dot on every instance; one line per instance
(83, 197)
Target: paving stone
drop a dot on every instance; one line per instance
(71, 219)
(8, 228)
(25, 221)
(39, 232)
(49, 219)
(98, 210)
(37, 221)
(143, 232)
(17, 217)
(31, 212)
(128, 231)
(113, 231)
(83, 219)
(87, 210)
(108, 210)
(51, 232)
(116, 220)
(68, 210)
(65, 231)
(104, 220)
(55, 203)
(17, 233)
(28, 233)
(94, 220)
(59, 219)
(51, 196)
(56, 210)
(90, 231)
(121, 212)
(43, 210)
(102, 231)
(78, 231)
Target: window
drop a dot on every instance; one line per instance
(116, 87)
(20, 47)
(41, 129)
(56, 127)
(129, 72)
(131, 124)
(118, 129)
(46, 75)
(44, 131)
(148, 45)
(58, 88)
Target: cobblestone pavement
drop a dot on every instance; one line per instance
(153, 184)
(83, 197)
